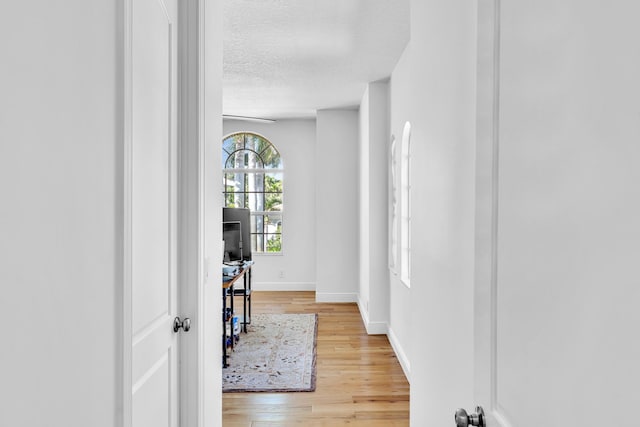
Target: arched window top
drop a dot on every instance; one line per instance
(249, 150)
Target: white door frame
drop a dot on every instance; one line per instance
(200, 130)
(201, 209)
(190, 220)
(486, 221)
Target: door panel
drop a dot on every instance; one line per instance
(559, 290)
(151, 391)
(153, 214)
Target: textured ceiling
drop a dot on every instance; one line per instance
(289, 58)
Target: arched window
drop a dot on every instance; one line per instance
(253, 178)
(405, 205)
(393, 207)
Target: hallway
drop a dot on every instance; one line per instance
(359, 379)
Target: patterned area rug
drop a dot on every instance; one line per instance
(277, 354)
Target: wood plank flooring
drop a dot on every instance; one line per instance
(359, 380)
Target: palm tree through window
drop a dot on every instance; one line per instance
(253, 178)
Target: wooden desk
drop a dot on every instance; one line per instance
(229, 290)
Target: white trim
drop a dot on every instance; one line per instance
(247, 118)
(191, 297)
(125, 396)
(373, 328)
(364, 314)
(486, 216)
(207, 42)
(283, 286)
(336, 297)
(191, 218)
(400, 353)
(376, 328)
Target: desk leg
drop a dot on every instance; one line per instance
(233, 312)
(249, 292)
(244, 303)
(224, 328)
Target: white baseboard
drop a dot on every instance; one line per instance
(376, 328)
(283, 286)
(363, 313)
(336, 297)
(400, 354)
(373, 328)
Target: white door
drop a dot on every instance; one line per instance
(153, 221)
(558, 219)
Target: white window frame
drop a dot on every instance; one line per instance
(263, 171)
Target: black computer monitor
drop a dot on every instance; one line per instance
(232, 236)
(244, 216)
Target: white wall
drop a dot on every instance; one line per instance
(442, 76)
(59, 221)
(373, 148)
(296, 141)
(401, 330)
(337, 205)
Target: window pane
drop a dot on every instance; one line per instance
(258, 243)
(229, 200)
(273, 181)
(273, 190)
(255, 182)
(271, 158)
(234, 190)
(235, 160)
(253, 142)
(233, 182)
(266, 224)
(232, 143)
(255, 201)
(252, 160)
(273, 202)
(274, 242)
(257, 224)
(273, 224)
(265, 230)
(229, 186)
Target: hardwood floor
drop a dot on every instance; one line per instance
(359, 380)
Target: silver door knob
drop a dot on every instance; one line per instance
(465, 420)
(185, 324)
